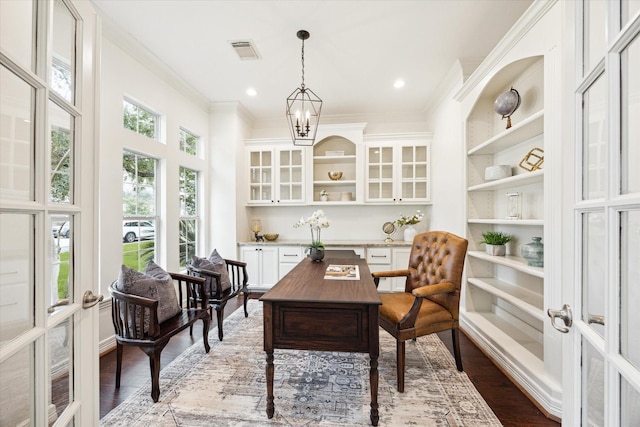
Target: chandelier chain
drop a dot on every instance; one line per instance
(302, 57)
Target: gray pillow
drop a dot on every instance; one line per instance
(155, 283)
(216, 266)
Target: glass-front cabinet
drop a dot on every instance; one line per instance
(398, 168)
(276, 174)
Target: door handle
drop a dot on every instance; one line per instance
(594, 318)
(60, 303)
(89, 299)
(565, 315)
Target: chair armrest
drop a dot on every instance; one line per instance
(393, 273)
(128, 313)
(237, 275)
(194, 288)
(215, 277)
(440, 288)
(234, 262)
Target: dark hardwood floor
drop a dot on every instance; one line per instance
(509, 404)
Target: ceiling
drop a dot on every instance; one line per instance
(356, 51)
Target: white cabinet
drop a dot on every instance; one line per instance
(398, 168)
(289, 257)
(276, 173)
(400, 261)
(262, 265)
(379, 259)
(502, 304)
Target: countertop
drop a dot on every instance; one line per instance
(331, 243)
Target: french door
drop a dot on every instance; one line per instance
(48, 340)
(601, 364)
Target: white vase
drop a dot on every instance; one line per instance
(324, 198)
(409, 233)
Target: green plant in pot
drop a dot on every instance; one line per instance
(315, 222)
(495, 242)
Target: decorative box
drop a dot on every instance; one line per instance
(497, 172)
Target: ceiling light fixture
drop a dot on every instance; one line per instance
(398, 84)
(303, 108)
(252, 92)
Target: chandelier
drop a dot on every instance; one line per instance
(303, 108)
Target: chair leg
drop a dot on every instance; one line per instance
(205, 333)
(246, 297)
(119, 349)
(400, 365)
(220, 316)
(455, 337)
(154, 365)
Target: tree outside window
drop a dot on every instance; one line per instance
(139, 119)
(188, 214)
(139, 209)
(189, 142)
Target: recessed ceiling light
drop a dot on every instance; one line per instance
(252, 92)
(398, 83)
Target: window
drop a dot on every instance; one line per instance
(189, 142)
(188, 214)
(140, 120)
(139, 209)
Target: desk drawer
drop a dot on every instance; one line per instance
(379, 256)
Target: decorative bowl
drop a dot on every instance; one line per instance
(271, 236)
(335, 175)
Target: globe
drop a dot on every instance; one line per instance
(388, 228)
(506, 104)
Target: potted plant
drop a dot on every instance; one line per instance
(324, 196)
(409, 222)
(495, 242)
(316, 222)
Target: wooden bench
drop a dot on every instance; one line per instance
(218, 297)
(128, 314)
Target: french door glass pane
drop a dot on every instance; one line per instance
(593, 274)
(595, 20)
(629, 405)
(630, 291)
(16, 32)
(594, 145)
(61, 236)
(593, 374)
(16, 137)
(630, 111)
(17, 375)
(63, 58)
(17, 289)
(61, 369)
(61, 151)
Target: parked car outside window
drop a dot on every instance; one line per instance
(137, 230)
(60, 230)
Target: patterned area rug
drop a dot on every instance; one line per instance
(227, 386)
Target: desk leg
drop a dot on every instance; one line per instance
(270, 371)
(373, 383)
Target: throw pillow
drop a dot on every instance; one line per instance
(155, 283)
(220, 268)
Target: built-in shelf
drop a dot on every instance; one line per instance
(349, 158)
(509, 339)
(511, 261)
(501, 221)
(512, 181)
(526, 129)
(524, 299)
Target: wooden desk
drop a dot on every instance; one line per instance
(305, 312)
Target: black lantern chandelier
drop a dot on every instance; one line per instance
(303, 108)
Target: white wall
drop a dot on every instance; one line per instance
(124, 76)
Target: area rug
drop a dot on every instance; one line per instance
(227, 386)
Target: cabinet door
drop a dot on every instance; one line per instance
(380, 182)
(261, 176)
(290, 176)
(379, 259)
(412, 179)
(400, 261)
(269, 266)
(251, 255)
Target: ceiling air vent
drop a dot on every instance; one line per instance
(245, 50)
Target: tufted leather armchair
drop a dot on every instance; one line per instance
(431, 299)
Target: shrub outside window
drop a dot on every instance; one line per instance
(188, 214)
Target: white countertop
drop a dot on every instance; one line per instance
(330, 243)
